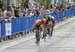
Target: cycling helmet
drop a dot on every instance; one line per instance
(51, 16)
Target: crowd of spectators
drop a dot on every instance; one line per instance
(14, 12)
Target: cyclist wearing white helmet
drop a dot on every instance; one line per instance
(49, 25)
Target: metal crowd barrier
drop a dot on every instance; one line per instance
(22, 24)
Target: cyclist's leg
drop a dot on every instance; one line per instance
(49, 32)
(44, 32)
(45, 35)
(53, 24)
(37, 36)
(52, 32)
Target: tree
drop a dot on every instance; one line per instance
(1, 4)
(45, 3)
(21, 1)
(74, 1)
(24, 3)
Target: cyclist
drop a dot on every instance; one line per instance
(38, 25)
(49, 26)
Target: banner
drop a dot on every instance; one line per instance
(8, 28)
(0, 30)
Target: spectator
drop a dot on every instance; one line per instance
(5, 11)
(13, 10)
(9, 15)
(48, 11)
(36, 12)
(18, 12)
(55, 10)
(1, 14)
(42, 10)
(29, 13)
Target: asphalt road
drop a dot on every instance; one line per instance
(63, 40)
